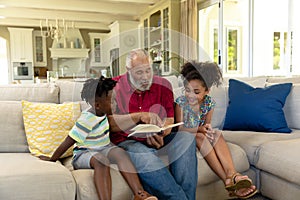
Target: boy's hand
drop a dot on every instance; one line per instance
(46, 158)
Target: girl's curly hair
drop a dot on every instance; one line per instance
(207, 72)
(96, 87)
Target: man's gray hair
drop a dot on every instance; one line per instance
(137, 52)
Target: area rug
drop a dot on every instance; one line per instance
(258, 197)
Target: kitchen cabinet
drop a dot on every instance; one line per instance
(21, 44)
(98, 53)
(39, 50)
(161, 35)
(21, 54)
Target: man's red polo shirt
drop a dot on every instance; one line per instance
(158, 99)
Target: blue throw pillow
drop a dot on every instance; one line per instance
(256, 109)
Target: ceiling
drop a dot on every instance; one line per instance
(86, 14)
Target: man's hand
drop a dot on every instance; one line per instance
(151, 118)
(156, 141)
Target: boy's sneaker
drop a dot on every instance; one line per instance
(143, 195)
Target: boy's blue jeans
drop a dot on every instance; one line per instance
(178, 181)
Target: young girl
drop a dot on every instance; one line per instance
(93, 147)
(195, 109)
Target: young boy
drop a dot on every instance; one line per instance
(93, 147)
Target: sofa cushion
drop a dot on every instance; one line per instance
(259, 81)
(295, 79)
(173, 80)
(177, 92)
(256, 109)
(250, 141)
(220, 95)
(281, 158)
(47, 125)
(43, 92)
(12, 133)
(292, 107)
(85, 186)
(273, 187)
(23, 176)
(69, 91)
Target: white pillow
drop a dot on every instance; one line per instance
(259, 81)
(220, 95)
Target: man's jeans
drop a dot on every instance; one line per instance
(178, 181)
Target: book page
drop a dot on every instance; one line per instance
(171, 126)
(142, 130)
(146, 128)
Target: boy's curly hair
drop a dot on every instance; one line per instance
(96, 87)
(207, 72)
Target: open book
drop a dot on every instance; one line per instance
(142, 130)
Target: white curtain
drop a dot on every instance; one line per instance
(188, 30)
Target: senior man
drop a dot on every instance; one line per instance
(141, 97)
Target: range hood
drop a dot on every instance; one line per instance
(69, 46)
(69, 55)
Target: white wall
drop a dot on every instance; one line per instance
(3, 62)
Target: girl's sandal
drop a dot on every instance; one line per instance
(236, 185)
(234, 194)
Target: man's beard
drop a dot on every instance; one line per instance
(139, 85)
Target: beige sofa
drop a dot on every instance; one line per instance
(274, 156)
(271, 160)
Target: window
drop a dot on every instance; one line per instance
(208, 33)
(232, 49)
(228, 38)
(97, 50)
(216, 50)
(245, 41)
(294, 34)
(270, 38)
(232, 54)
(279, 50)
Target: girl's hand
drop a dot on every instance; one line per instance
(210, 135)
(208, 131)
(202, 130)
(208, 127)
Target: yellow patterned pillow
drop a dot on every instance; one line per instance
(47, 125)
